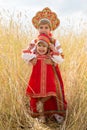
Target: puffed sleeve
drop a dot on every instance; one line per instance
(31, 46)
(28, 55)
(58, 46)
(57, 59)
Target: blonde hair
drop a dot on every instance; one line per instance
(44, 21)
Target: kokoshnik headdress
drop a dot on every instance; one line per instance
(48, 14)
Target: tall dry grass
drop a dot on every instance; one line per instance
(14, 74)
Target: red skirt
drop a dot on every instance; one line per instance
(46, 80)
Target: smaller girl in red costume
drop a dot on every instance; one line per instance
(45, 87)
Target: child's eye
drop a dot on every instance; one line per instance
(41, 27)
(44, 46)
(39, 45)
(46, 27)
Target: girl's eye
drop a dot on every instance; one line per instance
(44, 46)
(41, 27)
(46, 27)
(39, 45)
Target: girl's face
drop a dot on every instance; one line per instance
(42, 48)
(44, 28)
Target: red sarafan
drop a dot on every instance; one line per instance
(46, 81)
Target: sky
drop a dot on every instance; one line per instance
(63, 7)
(72, 8)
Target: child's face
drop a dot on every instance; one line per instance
(44, 29)
(42, 48)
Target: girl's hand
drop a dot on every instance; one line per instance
(49, 61)
(33, 61)
(31, 46)
(52, 47)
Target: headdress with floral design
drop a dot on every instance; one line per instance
(47, 14)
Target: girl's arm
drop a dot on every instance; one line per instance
(28, 55)
(31, 46)
(57, 59)
(59, 48)
(57, 54)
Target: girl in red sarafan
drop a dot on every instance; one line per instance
(45, 87)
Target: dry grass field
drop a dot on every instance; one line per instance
(14, 74)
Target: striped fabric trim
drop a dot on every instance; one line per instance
(60, 102)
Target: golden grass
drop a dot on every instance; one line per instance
(14, 75)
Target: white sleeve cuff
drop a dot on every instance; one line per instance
(60, 50)
(57, 59)
(27, 56)
(57, 43)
